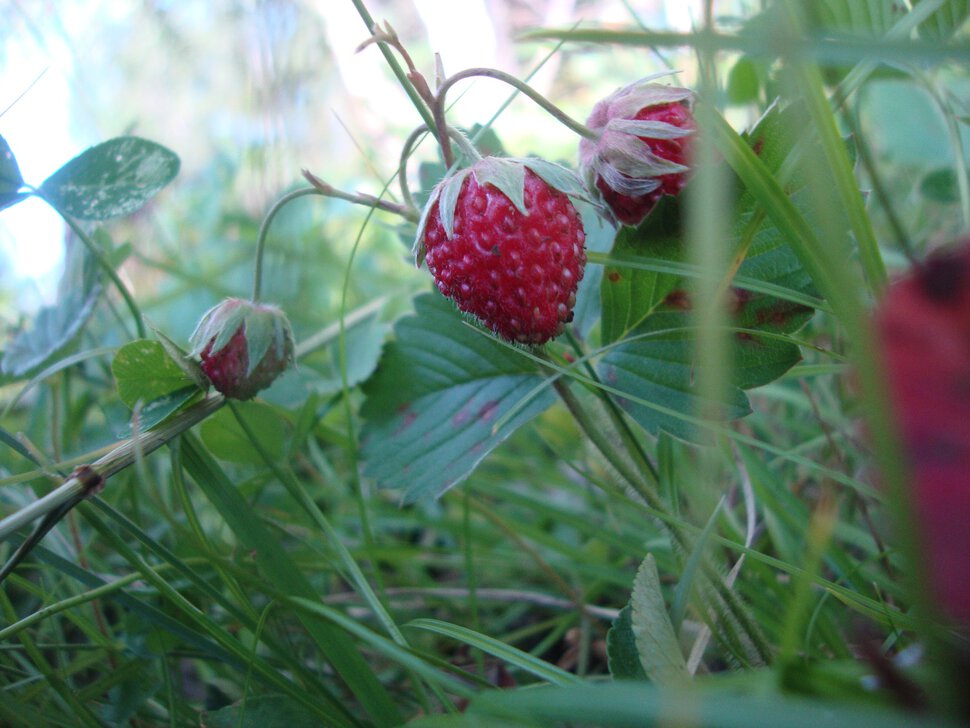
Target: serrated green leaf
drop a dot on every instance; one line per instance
(113, 179)
(629, 295)
(439, 389)
(648, 312)
(144, 372)
(55, 327)
(661, 371)
(621, 648)
(660, 652)
(262, 711)
(226, 439)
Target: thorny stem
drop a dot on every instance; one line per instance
(438, 107)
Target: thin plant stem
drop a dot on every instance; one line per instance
(102, 259)
(557, 113)
(264, 231)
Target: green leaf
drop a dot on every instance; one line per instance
(10, 178)
(280, 571)
(743, 85)
(55, 327)
(262, 711)
(112, 179)
(320, 371)
(226, 439)
(624, 705)
(505, 652)
(649, 312)
(161, 408)
(144, 372)
(432, 405)
(942, 24)
(941, 186)
(621, 648)
(660, 652)
(629, 295)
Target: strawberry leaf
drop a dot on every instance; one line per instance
(621, 648)
(646, 305)
(113, 179)
(432, 406)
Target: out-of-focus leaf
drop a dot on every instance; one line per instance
(263, 711)
(432, 405)
(56, 326)
(743, 85)
(10, 179)
(940, 185)
(226, 439)
(113, 179)
(942, 24)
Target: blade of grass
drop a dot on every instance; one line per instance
(496, 648)
(278, 568)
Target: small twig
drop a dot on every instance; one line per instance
(359, 198)
(89, 479)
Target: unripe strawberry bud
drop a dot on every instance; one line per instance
(243, 346)
(643, 150)
(923, 325)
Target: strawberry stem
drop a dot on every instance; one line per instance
(264, 230)
(439, 103)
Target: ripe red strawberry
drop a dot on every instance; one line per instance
(924, 331)
(505, 243)
(243, 346)
(643, 151)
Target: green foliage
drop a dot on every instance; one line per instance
(113, 179)
(308, 558)
(56, 327)
(433, 405)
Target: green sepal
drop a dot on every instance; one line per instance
(507, 175)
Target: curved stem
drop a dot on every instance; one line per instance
(96, 251)
(524, 88)
(359, 198)
(402, 166)
(264, 230)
